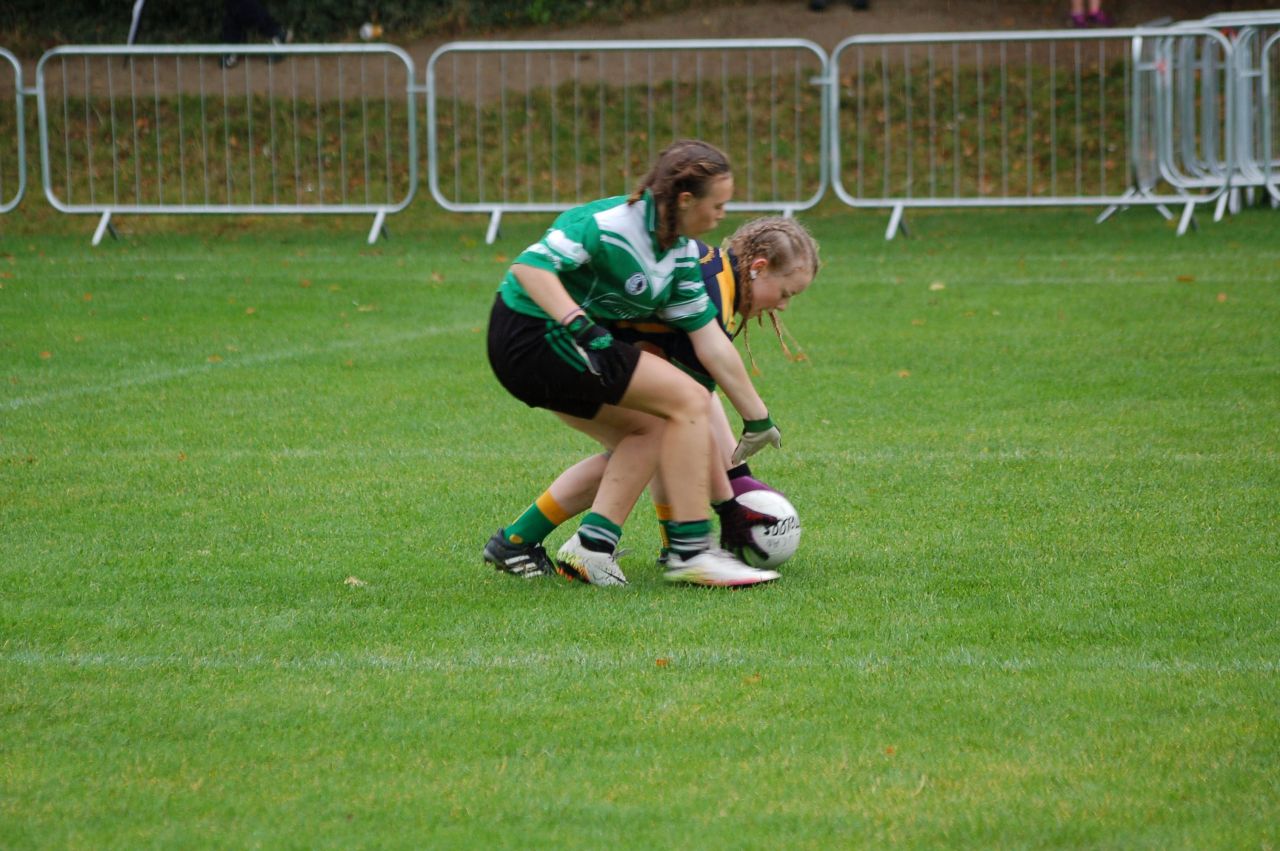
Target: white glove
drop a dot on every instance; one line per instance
(755, 435)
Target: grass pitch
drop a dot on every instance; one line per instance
(246, 469)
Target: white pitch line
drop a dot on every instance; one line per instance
(160, 376)
(610, 660)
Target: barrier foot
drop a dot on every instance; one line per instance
(104, 225)
(1188, 218)
(379, 227)
(1119, 207)
(491, 235)
(896, 223)
(1221, 207)
(1164, 211)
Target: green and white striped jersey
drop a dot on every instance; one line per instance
(606, 255)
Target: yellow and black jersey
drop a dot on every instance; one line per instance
(721, 284)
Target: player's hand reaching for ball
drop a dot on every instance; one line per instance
(756, 434)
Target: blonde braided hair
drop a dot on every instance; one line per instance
(786, 245)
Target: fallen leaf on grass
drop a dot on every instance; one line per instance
(1186, 279)
(936, 286)
(924, 778)
(354, 582)
(1222, 298)
(664, 662)
(904, 373)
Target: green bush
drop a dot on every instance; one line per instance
(26, 24)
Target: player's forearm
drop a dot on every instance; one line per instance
(742, 393)
(722, 361)
(547, 291)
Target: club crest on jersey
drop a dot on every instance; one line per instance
(636, 284)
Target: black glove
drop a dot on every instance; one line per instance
(736, 521)
(596, 346)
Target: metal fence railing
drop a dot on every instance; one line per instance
(1271, 116)
(1020, 119)
(1182, 114)
(1184, 122)
(13, 154)
(541, 126)
(1249, 76)
(289, 129)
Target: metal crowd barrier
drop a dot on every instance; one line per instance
(1183, 114)
(1183, 126)
(542, 126)
(1017, 119)
(13, 147)
(282, 129)
(1271, 116)
(1250, 34)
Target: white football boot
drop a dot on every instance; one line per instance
(715, 567)
(595, 568)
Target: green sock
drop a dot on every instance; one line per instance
(530, 528)
(663, 510)
(664, 535)
(537, 522)
(689, 539)
(599, 533)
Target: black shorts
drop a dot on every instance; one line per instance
(669, 344)
(543, 375)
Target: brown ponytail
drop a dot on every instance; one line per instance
(685, 166)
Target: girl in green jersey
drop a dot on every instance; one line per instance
(631, 258)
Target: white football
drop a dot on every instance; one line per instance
(781, 539)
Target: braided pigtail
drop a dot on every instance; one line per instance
(685, 166)
(784, 244)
